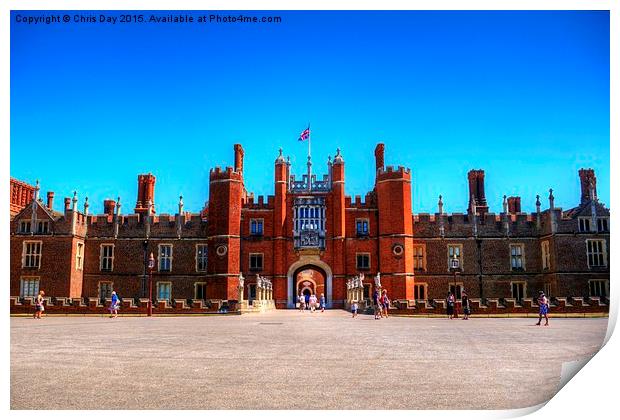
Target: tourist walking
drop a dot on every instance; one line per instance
(450, 305)
(465, 305)
(114, 306)
(307, 299)
(38, 305)
(322, 302)
(376, 304)
(543, 305)
(302, 302)
(312, 303)
(385, 302)
(354, 308)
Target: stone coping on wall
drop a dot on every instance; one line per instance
(504, 306)
(435, 307)
(94, 306)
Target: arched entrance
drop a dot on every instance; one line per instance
(309, 275)
(309, 280)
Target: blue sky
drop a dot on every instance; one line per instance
(523, 95)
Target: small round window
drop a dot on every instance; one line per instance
(221, 250)
(398, 250)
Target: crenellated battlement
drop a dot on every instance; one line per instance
(393, 173)
(260, 204)
(219, 174)
(368, 202)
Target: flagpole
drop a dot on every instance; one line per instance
(309, 161)
(309, 139)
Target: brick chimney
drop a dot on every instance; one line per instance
(50, 200)
(476, 191)
(379, 156)
(108, 207)
(239, 158)
(146, 193)
(587, 177)
(514, 205)
(67, 203)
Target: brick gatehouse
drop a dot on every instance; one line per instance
(309, 237)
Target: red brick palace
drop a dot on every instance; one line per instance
(309, 237)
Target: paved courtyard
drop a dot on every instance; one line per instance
(288, 360)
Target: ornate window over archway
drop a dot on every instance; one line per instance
(309, 216)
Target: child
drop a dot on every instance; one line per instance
(322, 302)
(354, 308)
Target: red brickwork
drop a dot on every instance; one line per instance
(394, 233)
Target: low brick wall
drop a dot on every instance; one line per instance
(93, 306)
(561, 305)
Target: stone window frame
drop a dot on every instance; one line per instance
(545, 253)
(362, 220)
(520, 245)
(79, 256)
(43, 227)
(109, 258)
(460, 256)
(583, 224)
(603, 252)
(458, 291)
(99, 283)
(522, 282)
(603, 282)
(262, 261)
(205, 257)
(259, 221)
(417, 258)
(196, 285)
(25, 279)
(357, 260)
(25, 226)
(424, 286)
(160, 259)
(32, 255)
(598, 224)
(169, 284)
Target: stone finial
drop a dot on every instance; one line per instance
(440, 204)
(505, 204)
(74, 200)
(280, 158)
(181, 204)
(473, 204)
(329, 160)
(118, 206)
(86, 205)
(551, 198)
(537, 203)
(592, 189)
(288, 160)
(338, 158)
(36, 190)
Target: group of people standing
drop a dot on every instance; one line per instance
(380, 301)
(311, 303)
(452, 305)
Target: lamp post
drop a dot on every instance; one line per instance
(151, 266)
(455, 266)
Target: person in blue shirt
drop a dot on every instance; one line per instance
(322, 302)
(114, 305)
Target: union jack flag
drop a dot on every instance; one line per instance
(305, 135)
